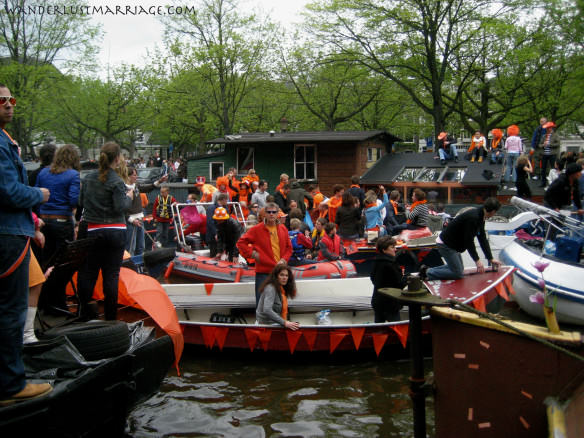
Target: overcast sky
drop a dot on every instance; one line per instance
(127, 37)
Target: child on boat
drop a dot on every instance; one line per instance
(386, 273)
(300, 243)
(272, 307)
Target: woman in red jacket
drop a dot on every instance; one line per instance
(267, 243)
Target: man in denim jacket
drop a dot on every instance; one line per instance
(16, 230)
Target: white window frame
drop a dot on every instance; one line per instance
(369, 153)
(304, 146)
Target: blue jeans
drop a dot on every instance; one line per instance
(135, 239)
(13, 306)
(453, 153)
(260, 278)
(452, 270)
(497, 157)
(107, 255)
(162, 232)
(510, 163)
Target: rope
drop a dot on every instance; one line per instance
(467, 308)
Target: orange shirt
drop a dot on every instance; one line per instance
(334, 204)
(274, 241)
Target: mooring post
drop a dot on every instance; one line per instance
(417, 380)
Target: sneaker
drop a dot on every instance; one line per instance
(423, 272)
(30, 391)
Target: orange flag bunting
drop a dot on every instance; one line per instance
(265, 336)
(500, 288)
(336, 336)
(310, 336)
(509, 285)
(209, 288)
(479, 304)
(378, 341)
(293, 336)
(402, 331)
(220, 336)
(208, 335)
(357, 334)
(252, 338)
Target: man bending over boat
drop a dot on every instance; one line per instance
(458, 237)
(272, 308)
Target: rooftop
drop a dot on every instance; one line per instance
(304, 137)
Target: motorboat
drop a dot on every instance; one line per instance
(335, 315)
(564, 272)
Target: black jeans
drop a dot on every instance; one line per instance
(56, 232)
(106, 255)
(545, 159)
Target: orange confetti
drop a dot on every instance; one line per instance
(484, 425)
(470, 414)
(459, 355)
(473, 366)
(526, 394)
(485, 345)
(524, 422)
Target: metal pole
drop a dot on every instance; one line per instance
(417, 392)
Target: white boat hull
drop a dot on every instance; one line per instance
(564, 279)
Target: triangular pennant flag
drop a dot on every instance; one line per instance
(310, 336)
(378, 341)
(252, 338)
(500, 288)
(509, 285)
(293, 336)
(357, 333)
(209, 288)
(336, 336)
(479, 304)
(402, 331)
(208, 335)
(220, 335)
(265, 336)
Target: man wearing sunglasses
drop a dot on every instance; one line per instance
(268, 244)
(16, 229)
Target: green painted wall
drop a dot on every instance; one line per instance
(270, 161)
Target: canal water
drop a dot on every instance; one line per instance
(259, 396)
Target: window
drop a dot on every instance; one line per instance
(409, 174)
(245, 157)
(216, 169)
(373, 154)
(305, 162)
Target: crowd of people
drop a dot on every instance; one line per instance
(292, 226)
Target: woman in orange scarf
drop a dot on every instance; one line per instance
(497, 145)
(273, 304)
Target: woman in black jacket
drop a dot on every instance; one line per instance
(386, 273)
(348, 218)
(105, 200)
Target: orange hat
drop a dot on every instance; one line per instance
(200, 181)
(220, 214)
(513, 130)
(497, 133)
(549, 125)
(442, 135)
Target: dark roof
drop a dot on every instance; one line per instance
(304, 137)
(387, 169)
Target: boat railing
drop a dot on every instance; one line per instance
(179, 226)
(554, 218)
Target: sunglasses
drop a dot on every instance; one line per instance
(271, 212)
(5, 99)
